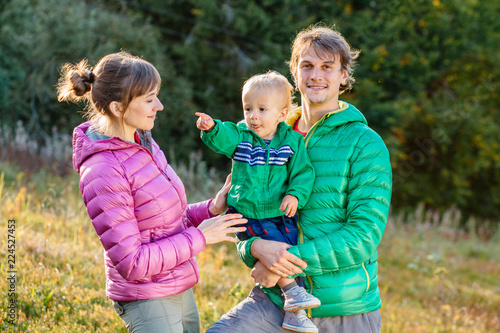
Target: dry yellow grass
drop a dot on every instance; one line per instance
(433, 277)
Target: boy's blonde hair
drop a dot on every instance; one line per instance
(273, 81)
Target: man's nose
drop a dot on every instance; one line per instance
(316, 73)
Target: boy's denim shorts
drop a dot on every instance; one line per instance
(281, 229)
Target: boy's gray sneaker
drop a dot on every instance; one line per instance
(297, 298)
(298, 322)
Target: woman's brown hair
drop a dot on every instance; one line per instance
(117, 77)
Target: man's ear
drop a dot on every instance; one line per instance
(345, 76)
(294, 75)
(116, 109)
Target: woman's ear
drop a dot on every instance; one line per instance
(116, 109)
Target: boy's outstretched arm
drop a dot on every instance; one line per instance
(204, 122)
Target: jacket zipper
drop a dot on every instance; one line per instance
(161, 170)
(301, 241)
(367, 277)
(301, 233)
(315, 126)
(268, 180)
(151, 232)
(164, 173)
(340, 109)
(154, 161)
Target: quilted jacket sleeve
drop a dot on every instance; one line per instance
(223, 138)
(369, 191)
(300, 174)
(197, 213)
(245, 252)
(107, 196)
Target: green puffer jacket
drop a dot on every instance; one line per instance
(343, 222)
(262, 175)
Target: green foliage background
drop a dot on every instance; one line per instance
(427, 78)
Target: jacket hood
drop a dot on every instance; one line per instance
(84, 147)
(346, 114)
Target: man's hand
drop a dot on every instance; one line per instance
(275, 257)
(289, 205)
(263, 276)
(204, 122)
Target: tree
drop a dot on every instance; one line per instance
(426, 79)
(38, 37)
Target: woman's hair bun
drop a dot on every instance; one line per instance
(75, 82)
(89, 78)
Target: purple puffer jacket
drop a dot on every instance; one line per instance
(137, 205)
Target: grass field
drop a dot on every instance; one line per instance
(433, 276)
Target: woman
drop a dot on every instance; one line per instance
(134, 198)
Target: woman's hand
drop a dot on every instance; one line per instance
(275, 257)
(263, 276)
(217, 228)
(219, 205)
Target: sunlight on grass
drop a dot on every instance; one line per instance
(434, 276)
(429, 283)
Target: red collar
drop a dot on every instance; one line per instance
(296, 128)
(137, 139)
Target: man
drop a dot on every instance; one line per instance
(343, 222)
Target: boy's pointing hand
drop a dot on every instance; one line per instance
(204, 122)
